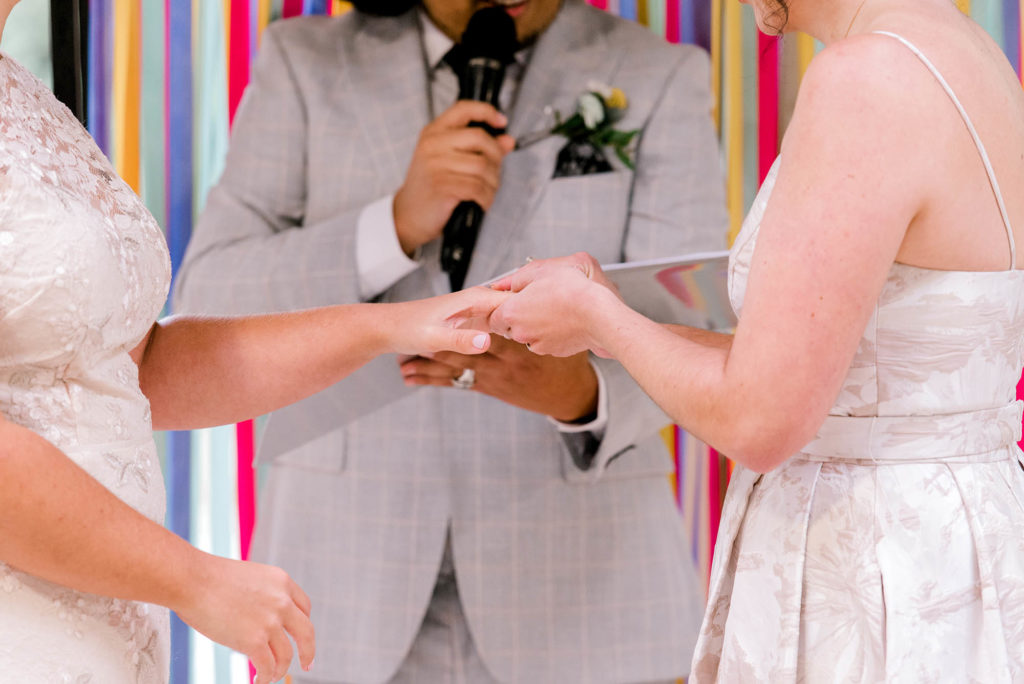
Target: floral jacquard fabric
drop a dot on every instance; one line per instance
(891, 549)
(84, 272)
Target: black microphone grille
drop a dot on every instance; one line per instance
(491, 33)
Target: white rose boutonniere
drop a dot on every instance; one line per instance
(591, 109)
(598, 109)
(592, 126)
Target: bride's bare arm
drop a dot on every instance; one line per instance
(59, 523)
(199, 372)
(850, 181)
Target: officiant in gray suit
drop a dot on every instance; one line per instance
(501, 518)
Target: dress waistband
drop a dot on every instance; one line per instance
(968, 437)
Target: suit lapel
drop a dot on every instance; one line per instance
(378, 62)
(571, 52)
(385, 59)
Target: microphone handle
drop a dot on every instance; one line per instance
(459, 240)
(481, 81)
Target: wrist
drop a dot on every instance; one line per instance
(380, 322)
(580, 417)
(409, 247)
(189, 577)
(406, 237)
(603, 308)
(583, 408)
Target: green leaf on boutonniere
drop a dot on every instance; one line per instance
(597, 109)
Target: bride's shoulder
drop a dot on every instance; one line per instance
(868, 65)
(865, 86)
(858, 126)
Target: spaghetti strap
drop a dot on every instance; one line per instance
(974, 135)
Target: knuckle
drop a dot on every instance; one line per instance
(481, 138)
(255, 647)
(279, 577)
(452, 190)
(482, 188)
(480, 165)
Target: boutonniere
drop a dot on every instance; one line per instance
(598, 109)
(592, 125)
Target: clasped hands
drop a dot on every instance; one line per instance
(553, 306)
(542, 318)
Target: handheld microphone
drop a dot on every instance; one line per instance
(487, 46)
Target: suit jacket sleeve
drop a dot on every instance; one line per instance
(245, 255)
(678, 206)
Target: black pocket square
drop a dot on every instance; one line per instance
(580, 158)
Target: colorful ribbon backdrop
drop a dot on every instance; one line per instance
(165, 78)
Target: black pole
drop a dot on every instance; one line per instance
(69, 47)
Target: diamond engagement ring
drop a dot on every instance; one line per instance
(466, 380)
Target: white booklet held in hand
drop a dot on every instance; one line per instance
(688, 290)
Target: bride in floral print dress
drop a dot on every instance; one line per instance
(874, 529)
(87, 572)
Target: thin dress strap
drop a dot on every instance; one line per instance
(974, 135)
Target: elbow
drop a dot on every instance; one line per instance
(760, 457)
(762, 445)
(763, 462)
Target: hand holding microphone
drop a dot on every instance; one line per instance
(455, 170)
(451, 163)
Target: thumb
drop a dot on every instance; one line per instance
(465, 341)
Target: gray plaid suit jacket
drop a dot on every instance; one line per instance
(566, 575)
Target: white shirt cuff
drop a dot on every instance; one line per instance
(600, 422)
(380, 260)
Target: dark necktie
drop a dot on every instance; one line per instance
(456, 59)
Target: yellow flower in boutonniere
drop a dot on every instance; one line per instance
(616, 100)
(597, 109)
(613, 99)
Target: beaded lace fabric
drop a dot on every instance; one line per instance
(84, 272)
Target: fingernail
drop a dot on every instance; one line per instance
(480, 341)
(308, 667)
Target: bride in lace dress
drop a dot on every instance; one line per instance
(87, 572)
(874, 529)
